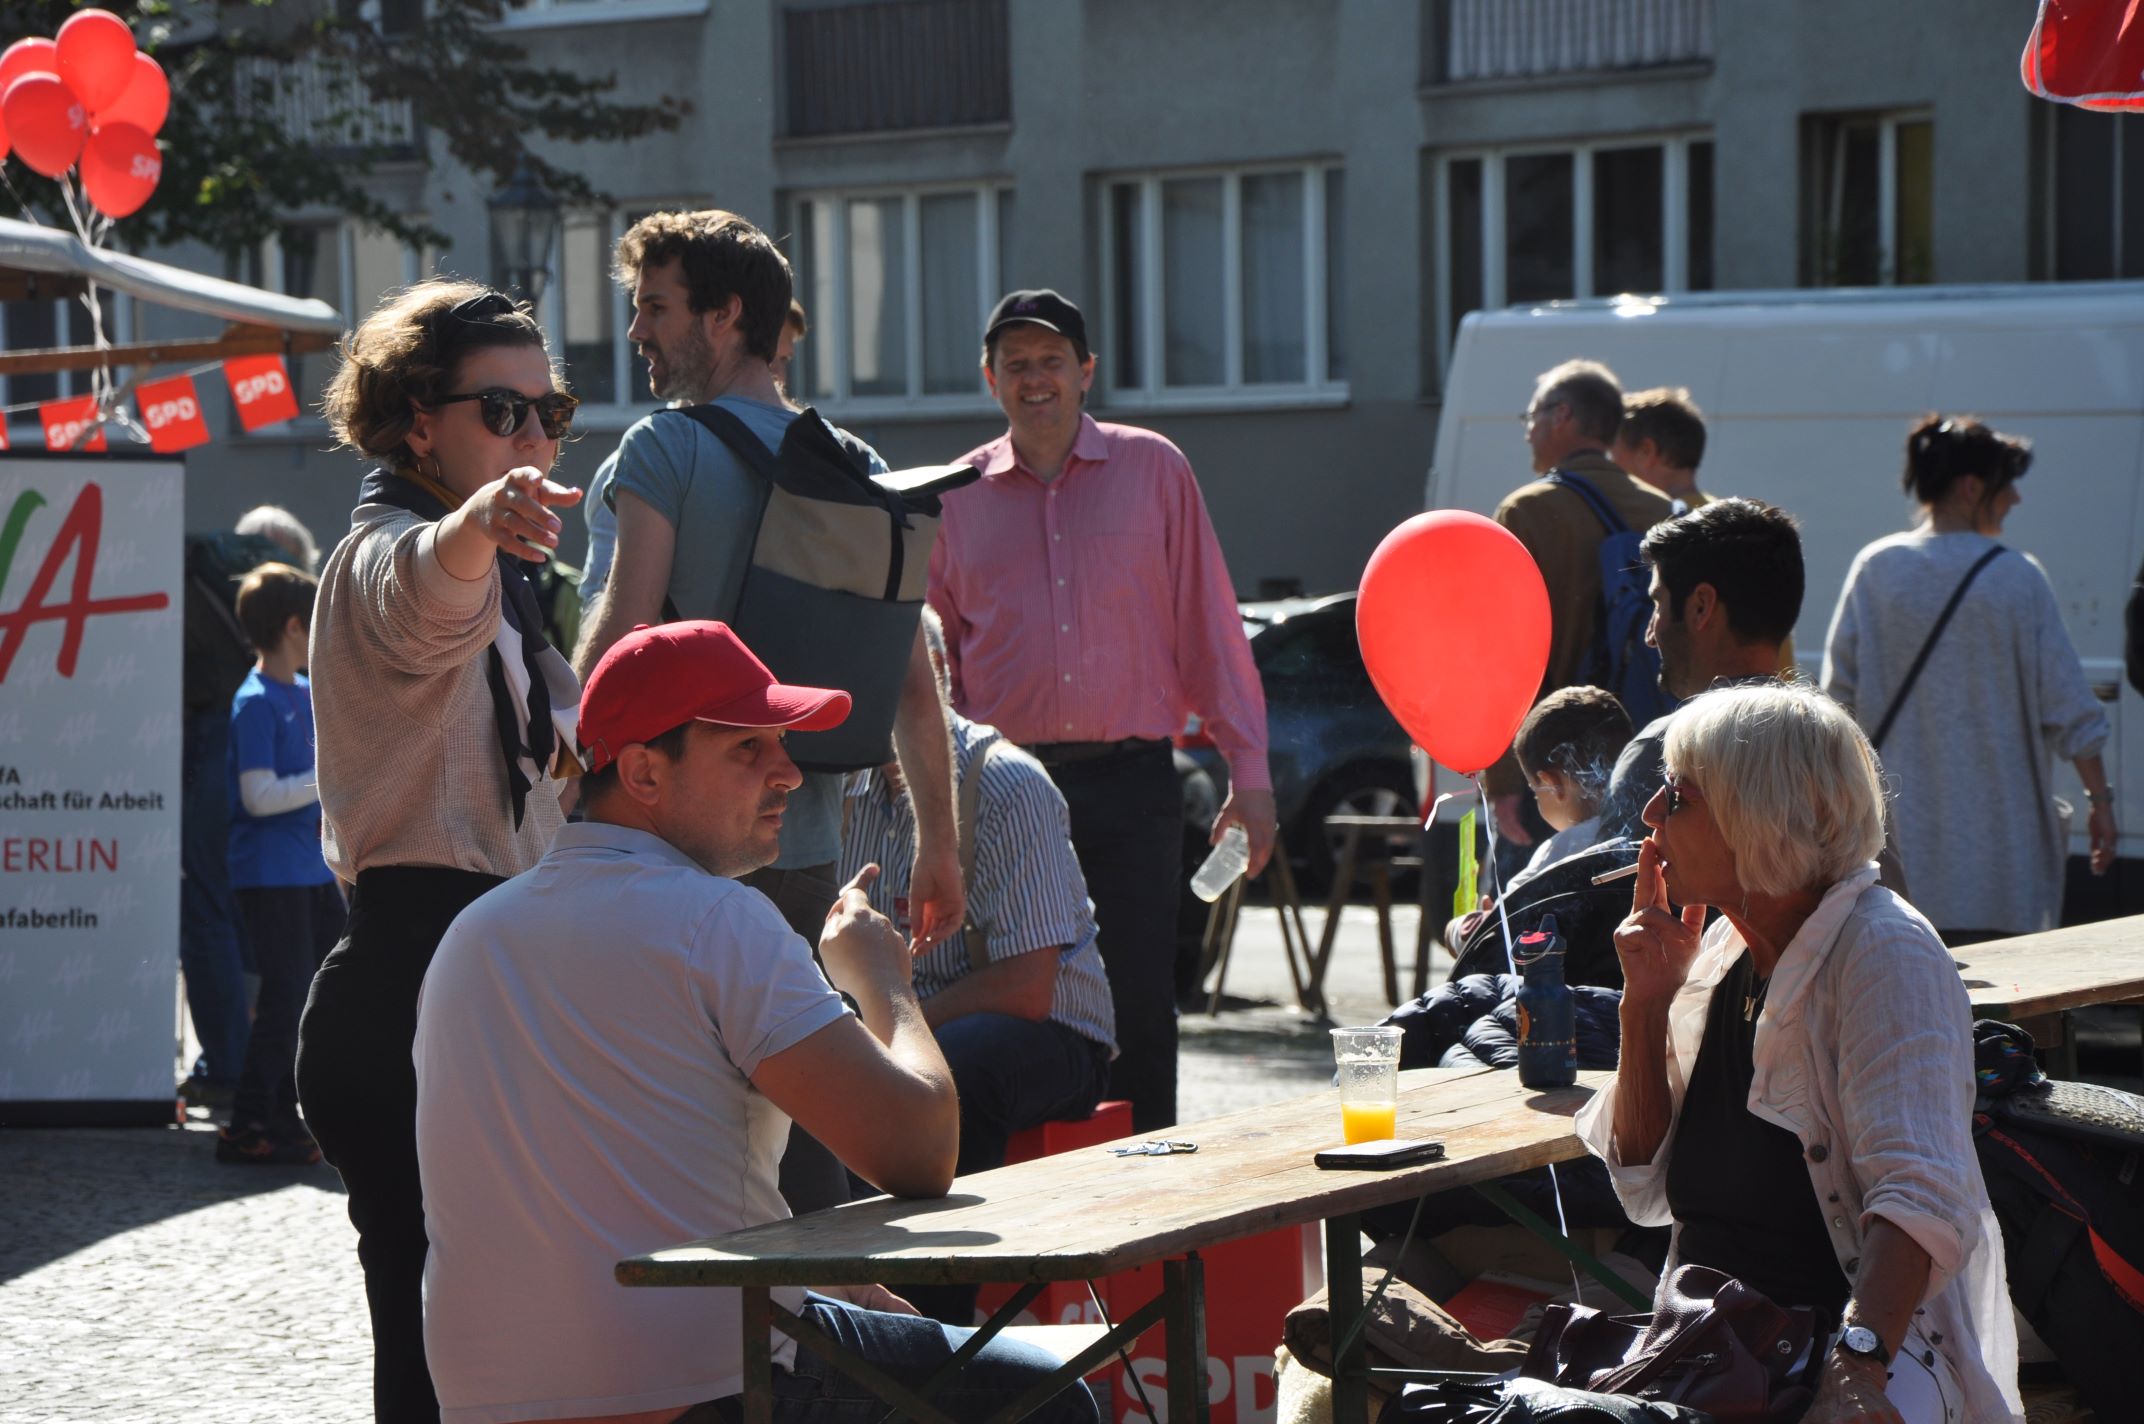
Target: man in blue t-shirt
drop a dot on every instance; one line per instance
(287, 898)
(710, 295)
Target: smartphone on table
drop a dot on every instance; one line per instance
(1381, 1155)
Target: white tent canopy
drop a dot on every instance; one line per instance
(46, 262)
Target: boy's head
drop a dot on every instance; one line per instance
(275, 604)
(1567, 747)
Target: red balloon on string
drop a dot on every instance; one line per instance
(96, 57)
(23, 56)
(1454, 624)
(144, 104)
(3, 138)
(120, 169)
(45, 121)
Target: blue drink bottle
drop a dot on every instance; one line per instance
(1548, 1020)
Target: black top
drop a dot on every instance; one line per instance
(1737, 1183)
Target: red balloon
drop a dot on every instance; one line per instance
(120, 169)
(45, 121)
(96, 57)
(23, 56)
(146, 101)
(1454, 623)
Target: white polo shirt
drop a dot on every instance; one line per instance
(585, 1040)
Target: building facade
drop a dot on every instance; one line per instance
(1274, 212)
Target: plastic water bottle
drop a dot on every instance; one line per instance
(1229, 859)
(1548, 1018)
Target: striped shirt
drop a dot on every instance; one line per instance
(1027, 891)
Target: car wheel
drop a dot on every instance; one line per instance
(1364, 790)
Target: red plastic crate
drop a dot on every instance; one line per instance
(1061, 1302)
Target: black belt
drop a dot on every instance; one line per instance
(1067, 753)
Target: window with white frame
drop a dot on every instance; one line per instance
(2095, 212)
(1223, 283)
(1626, 214)
(345, 263)
(895, 285)
(588, 314)
(1868, 199)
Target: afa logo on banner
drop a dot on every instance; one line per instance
(91, 733)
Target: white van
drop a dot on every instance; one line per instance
(1807, 398)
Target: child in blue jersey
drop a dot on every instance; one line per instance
(287, 897)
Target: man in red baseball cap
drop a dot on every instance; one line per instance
(610, 1050)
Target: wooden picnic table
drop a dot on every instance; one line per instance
(2030, 976)
(1087, 1214)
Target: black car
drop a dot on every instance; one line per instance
(1332, 745)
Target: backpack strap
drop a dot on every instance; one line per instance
(969, 812)
(730, 429)
(1920, 660)
(1583, 488)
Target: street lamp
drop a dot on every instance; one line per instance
(525, 224)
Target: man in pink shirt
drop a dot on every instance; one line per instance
(1087, 613)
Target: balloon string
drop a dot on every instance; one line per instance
(1555, 1186)
(1496, 880)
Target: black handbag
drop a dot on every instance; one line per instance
(1487, 1399)
(1714, 1345)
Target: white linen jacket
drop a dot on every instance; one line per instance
(1864, 1052)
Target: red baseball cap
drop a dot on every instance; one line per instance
(656, 678)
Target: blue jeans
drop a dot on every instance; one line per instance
(908, 1347)
(209, 952)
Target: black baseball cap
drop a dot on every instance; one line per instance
(1041, 307)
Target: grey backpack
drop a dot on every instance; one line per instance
(834, 589)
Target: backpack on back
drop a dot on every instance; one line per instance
(217, 653)
(833, 591)
(1620, 659)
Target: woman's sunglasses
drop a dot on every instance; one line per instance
(503, 411)
(1677, 797)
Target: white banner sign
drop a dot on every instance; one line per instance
(90, 655)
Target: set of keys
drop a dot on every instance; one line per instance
(1158, 1147)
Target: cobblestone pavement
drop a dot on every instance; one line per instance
(141, 1280)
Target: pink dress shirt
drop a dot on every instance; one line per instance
(1096, 606)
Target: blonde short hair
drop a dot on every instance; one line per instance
(1789, 779)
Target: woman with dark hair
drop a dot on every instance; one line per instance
(1951, 652)
(442, 721)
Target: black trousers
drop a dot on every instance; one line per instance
(359, 1091)
(291, 928)
(812, 1177)
(1127, 829)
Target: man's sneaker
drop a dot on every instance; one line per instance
(253, 1146)
(201, 1093)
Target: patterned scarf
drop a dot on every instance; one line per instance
(428, 499)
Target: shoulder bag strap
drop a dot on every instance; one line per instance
(1584, 489)
(1913, 673)
(726, 426)
(969, 812)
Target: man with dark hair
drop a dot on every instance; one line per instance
(611, 1048)
(710, 296)
(1575, 412)
(1087, 612)
(1726, 589)
(1662, 442)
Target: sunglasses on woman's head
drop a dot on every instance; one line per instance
(483, 306)
(502, 411)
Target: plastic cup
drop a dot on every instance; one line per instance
(1369, 1063)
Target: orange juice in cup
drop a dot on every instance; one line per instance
(1368, 1122)
(1369, 1066)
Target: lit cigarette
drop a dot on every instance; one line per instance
(1609, 877)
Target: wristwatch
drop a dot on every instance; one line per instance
(1861, 1341)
